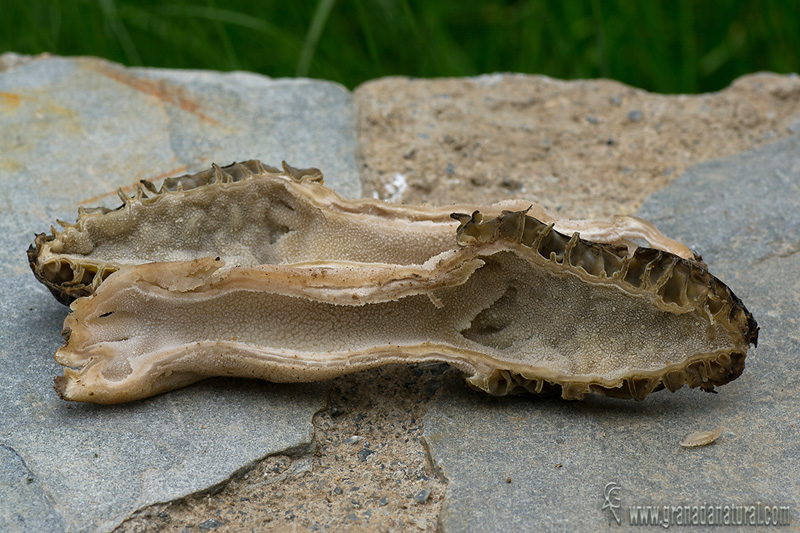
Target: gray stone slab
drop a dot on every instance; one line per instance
(544, 464)
(25, 505)
(73, 129)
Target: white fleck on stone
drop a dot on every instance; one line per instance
(396, 188)
(701, 438)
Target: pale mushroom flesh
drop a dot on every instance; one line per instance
(254, 271)
(250, 214)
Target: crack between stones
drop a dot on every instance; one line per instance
(367, 467)
(33, 480)
(783, 254)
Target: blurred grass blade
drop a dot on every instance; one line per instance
(217, 14)
(366, 28)
(321, 14)
(602, 54)
(112, 17)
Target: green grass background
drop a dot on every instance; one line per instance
(668, 46)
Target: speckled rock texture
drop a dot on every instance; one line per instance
(583, 148)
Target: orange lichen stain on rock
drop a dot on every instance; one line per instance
(10, 164)
(158, 89)
(41, 115)
(9, 102)
(131, 187)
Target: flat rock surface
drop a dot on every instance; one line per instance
(71, 132)
(587, 149)
(547, 464)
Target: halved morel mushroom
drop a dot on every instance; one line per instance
(250, 214)
(515, 304)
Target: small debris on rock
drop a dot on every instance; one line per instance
(364, 452)
(508, 479)
(422, 496)
(701, 438)
(210, 524)
(354, 439)
(635, 115)
(335, 409)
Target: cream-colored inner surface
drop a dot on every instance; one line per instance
(253, 222)
(508, 309)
